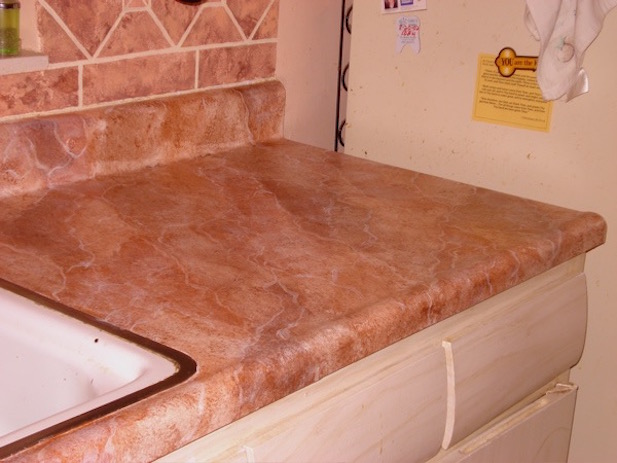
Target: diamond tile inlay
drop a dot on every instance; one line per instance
(136, 32)
(268, 29)
(89, 21)
(213, 26)
(175, 16)
(248, 13)
(55, 42)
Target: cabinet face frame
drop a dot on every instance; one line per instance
(237, 441)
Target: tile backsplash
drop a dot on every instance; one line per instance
(103, 52)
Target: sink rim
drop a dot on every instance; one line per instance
(185, 368)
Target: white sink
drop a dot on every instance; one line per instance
(57, 371)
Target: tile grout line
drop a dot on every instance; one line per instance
(163, 51)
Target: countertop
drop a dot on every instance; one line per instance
(271, 265)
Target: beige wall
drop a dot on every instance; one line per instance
(307, 65)
(414, 111)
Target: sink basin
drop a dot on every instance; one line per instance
(59, 368)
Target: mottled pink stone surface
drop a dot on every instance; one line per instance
(271, 263)
(46, 152)
(38, 91)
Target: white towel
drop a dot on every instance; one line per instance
(565, 28)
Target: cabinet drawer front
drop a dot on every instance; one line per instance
(538, 433)
(398, 419)
(388, 407)
(512, 353)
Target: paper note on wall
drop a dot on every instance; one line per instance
(408, 33)
(515, 101)
(398, 6)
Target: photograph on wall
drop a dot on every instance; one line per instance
(397, 6)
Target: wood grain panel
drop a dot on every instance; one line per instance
(518, 349)
(388, 407)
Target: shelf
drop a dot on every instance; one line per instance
(27, 61)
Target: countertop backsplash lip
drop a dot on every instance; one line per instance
(44, 152)
(269, 262)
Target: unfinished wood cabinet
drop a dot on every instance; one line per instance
(391, 409)
(398, 417)
(493, 365)
(471, 388)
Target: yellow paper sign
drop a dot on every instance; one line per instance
(515, 101)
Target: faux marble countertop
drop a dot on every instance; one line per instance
(272, 266)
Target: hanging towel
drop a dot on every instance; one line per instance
(565, 28)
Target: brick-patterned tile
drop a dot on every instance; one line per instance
(137, 26)
(136, 32)
(39, 91)
(213, 26)
(236, 64)
(138, 77)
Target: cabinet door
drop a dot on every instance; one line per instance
(538, 433)
(511, 354)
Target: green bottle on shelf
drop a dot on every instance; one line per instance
(10, 43)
